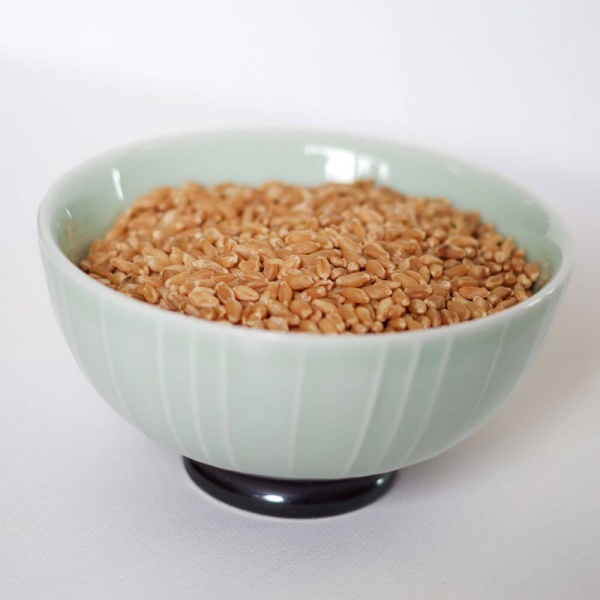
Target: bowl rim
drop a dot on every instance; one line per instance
(52, 202)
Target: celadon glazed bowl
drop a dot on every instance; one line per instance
(280, 405)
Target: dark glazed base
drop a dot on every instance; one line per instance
(290, 498)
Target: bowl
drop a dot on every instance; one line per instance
(261, 411)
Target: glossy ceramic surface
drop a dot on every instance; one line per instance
(276, 404)
(289, 498)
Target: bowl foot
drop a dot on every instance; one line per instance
(291, 498)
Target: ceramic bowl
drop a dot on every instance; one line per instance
(293, 405)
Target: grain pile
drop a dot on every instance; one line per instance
(329, 259)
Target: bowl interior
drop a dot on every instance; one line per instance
(82, 205)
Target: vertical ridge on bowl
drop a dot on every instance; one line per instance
(51, 281)
(369, 410)
(194, 400)
(131, 348)
(297, 403)
(203, 412)
(521, 341)
(336, 387)
(67, 325)
(434, 398)
(548, 314)
(472, 413)
(224, 404)
(111, 371)
(161, 359)
(266, 397)
(398, 403)
(465, 377)
(424, 387)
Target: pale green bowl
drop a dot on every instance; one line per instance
(293, 405)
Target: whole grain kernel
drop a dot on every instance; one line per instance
(469, 292)
(393, 285)
(413, 324)
(482, 303)
(398, 324)
(245, 293)
(479, 272)
(507, 303)
(285, 293)
(348, 313)
(462, 241)
(435, 301)
(307, 247)
(224, 292)
(330, 259)
(375, 268)
(417, 307)
(308, 326)
(521, 295)
(404, 279)
(150, 294)
(202, 298)
(122, 265)
(434, 316)
(383, 308)
(395, 311)
(501, 256)
(234, 310)
(439, 290)
(501, 291)
(377, 291)
(375, 250)
(276, 324)
(299, 281)
(271, 269)
(476, 311)
(451, 251)
(327, 326)
(419, 291)
(466, 280)
(436, 271)
(399, 297)
(323, 267)
(345, 243)
(353, 257)
(459, 270)
(424, 321)
(449, 317)
(325, 306)
(296, 237)
(532, 270)
(337, 272)
(460, 309)
(517, 264)
(301, 308)
(364, 315)
(494, 281)
(353, 280)
(316, 291)
(523, 280)
(154, 281)
(425, 274)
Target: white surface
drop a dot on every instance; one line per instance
(89, 508)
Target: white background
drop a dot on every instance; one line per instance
(89, 508)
